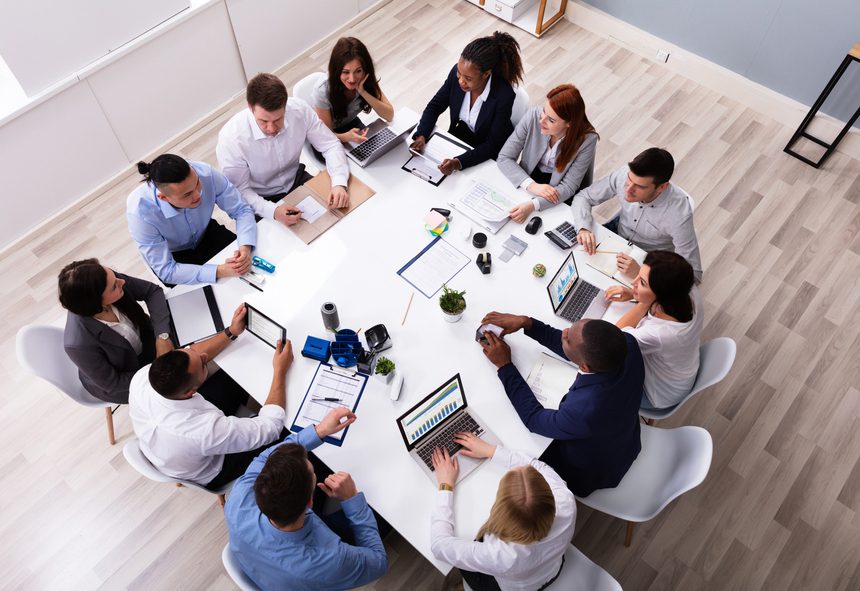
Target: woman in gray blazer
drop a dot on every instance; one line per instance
(108, 335)
(555, 145)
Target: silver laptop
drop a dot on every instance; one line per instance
(381, 137)
(434, 421)
(573, 298)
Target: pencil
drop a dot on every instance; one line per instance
(607, 252)
(402, 322)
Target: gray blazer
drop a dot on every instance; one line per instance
(106, 361)
(528, 144)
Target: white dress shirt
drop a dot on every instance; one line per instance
(259, 165)
(126, 329)
(469, 114)
(188, 439)
(546, 164)
(514, 566)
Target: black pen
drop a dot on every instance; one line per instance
(257, 287)
(329, 399)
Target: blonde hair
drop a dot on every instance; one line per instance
(524, 509)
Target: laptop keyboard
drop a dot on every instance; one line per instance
(445, 438)
(579, 301)
(363, 151)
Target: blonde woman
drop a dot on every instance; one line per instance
(521, 545)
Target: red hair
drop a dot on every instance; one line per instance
(566, 101)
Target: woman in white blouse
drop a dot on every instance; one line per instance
(108, 335)
(521, 545)
(555, 144)
(667, 322)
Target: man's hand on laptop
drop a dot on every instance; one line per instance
(496, 350)
(474, 446)
(338, 197)
(507, 322)
(445, 467)
(338, 418)
(339, 485)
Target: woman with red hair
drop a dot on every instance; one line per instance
(555, 145)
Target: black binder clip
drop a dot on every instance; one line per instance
(484, 262)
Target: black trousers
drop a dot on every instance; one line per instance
(302, 176)
(354, 124)
(215, 238)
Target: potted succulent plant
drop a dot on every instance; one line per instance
(452, 303)
(384, 369)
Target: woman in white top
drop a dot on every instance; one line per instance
(555, 145)
(108, 336)
(521, 545)
(351, 88)
(667, 322)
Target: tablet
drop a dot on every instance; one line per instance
(263, 327)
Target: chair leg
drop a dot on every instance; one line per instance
(628, 537)
(109, 419)
(222, 499)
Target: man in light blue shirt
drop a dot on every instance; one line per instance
(276, 537)
(170, 218)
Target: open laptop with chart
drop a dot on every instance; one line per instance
(573, 298)
(382, 137)
(434, 421)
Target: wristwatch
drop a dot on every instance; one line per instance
(164, 336)
(446, 486)
(229, 334)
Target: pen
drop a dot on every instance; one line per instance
(257, 287)
(329, 399)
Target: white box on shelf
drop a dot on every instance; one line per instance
(508, 10)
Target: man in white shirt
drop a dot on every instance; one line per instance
(188, 436)
(258, 150)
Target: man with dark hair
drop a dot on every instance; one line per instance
(259, 148)
(595, 430)
(184, 418)
(655, 213)
(280, 542)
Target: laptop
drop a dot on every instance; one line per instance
(381, 138)
(573, 298)
(563, 235)
(435, 420)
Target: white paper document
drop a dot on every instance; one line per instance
(490, 204)
(310, 208)
(433, 267)
(331, 387)
(439, 148)
(550, 379)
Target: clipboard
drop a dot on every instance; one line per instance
(341, 383)
(426, 168)
(189, 321)
(317, 189)
(435, 272)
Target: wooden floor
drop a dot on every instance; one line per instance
(781, 250)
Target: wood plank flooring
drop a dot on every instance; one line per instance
(781, 250)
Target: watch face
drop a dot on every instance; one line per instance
(164, 336)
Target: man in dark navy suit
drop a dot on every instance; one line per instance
(595, 430)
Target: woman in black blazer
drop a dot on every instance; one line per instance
(108, 335)
(479, 87)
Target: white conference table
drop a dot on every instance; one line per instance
(354, 264)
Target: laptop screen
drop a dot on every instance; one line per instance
(419, 421)
(562, 282)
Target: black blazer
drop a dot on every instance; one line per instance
(106, 361)
(492, 127)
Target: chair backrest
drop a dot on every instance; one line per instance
(40, 351)
(231, 565)
(690, 200)
(134, 456)
(521, 104)
(304, 88)
(581, 574)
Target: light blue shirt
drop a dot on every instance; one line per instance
(160, 229)
(313, 558)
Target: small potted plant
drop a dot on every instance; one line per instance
(452, 303)
(384, 369)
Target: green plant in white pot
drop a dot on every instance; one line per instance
(384, 369)
(452, 303)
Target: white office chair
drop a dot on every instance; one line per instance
(716, 358)
(40, 351)
(689, 198)
(521, 104)
(134, 456)
(304, 88)
(578, 574)
(672, 461)
(231, 565)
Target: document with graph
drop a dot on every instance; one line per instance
(330, 388)
(486, 206)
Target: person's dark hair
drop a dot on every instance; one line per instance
(671, 279)
(498, 53)
(567, 102)
(344, 51)
(654, 162)
(165, 169)
(284, 486)
(604, 347)
(266, 91)
(169, 375)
